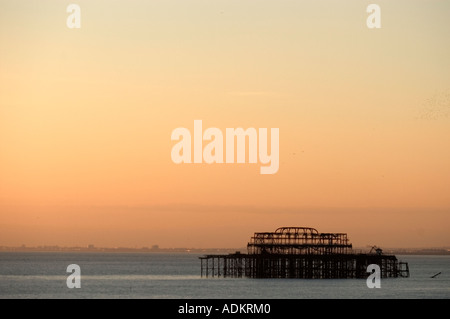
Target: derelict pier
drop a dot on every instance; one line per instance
(300, 252)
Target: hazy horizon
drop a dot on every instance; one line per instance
(233, 231)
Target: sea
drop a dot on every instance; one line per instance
(43, 275)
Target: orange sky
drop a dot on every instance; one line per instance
(86, 117)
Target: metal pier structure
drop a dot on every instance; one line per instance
(300, 252)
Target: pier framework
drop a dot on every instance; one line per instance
(300, 252)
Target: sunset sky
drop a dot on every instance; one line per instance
(86, 117)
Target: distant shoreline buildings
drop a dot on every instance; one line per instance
(157, 249)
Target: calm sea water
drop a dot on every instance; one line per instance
(159, 275)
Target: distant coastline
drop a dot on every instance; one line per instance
(91, 248)
(156, 249)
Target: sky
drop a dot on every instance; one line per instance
(86, 117)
